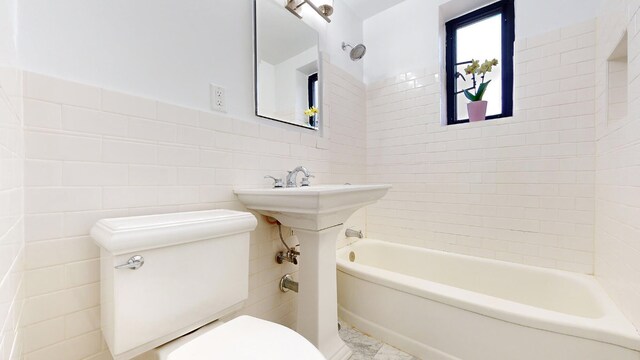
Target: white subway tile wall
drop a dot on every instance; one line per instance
(617, 255)
(93, 153)
(519, 189)
(11, 214)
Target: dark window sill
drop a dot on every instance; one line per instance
(492, 117)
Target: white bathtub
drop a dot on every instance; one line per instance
(437, 305)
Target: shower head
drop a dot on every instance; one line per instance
(357, 52)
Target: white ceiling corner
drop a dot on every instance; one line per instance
(368, 8)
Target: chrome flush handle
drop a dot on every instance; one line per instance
(134, 263)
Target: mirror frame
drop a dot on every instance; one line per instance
(255, 78)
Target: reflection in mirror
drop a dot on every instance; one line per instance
(287, 84)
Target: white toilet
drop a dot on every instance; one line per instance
(164, 276)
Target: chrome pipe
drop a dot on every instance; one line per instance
(287, 283)
(290, 256)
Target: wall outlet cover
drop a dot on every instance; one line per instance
(218, 98)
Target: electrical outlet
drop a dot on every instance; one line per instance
(218, 98)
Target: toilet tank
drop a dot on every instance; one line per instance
(196, 269)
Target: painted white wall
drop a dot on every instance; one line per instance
(537, 17)
(348, 27)
(162, 49)
(8, 15)
(406, 36)
(400, 39)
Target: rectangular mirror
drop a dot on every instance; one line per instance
(286, 53)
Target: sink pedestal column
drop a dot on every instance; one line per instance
(317, 292)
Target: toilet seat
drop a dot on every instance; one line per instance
(243, 338)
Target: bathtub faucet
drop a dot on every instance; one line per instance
(353, 233)
(293, 174)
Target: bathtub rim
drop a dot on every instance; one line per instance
(612, 328)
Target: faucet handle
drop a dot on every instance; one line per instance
(305, 180)
(277, 183)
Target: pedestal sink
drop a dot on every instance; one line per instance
(316, 214)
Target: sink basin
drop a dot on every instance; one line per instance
(313, 207)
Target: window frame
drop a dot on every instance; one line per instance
(312, 81)
(506, 8)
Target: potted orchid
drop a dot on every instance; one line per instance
(477, 108)
(311, 113)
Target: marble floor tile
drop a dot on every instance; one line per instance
(363, 346)
(388, 352)
(367, 348)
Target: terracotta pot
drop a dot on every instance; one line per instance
(477, 110)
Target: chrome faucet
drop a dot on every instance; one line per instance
(292, 175)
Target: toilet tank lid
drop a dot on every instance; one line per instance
(129, 234)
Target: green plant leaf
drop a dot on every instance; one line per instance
(481, 89)
(470, 96)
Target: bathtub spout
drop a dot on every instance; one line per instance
(354, 233)
(287, 283)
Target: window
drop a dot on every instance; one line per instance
(313, 97)
(486, 33)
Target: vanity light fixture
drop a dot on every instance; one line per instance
(324, 10)
(327, 9)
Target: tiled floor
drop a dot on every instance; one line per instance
(368, 348)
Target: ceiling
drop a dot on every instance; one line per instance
(367, 8)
